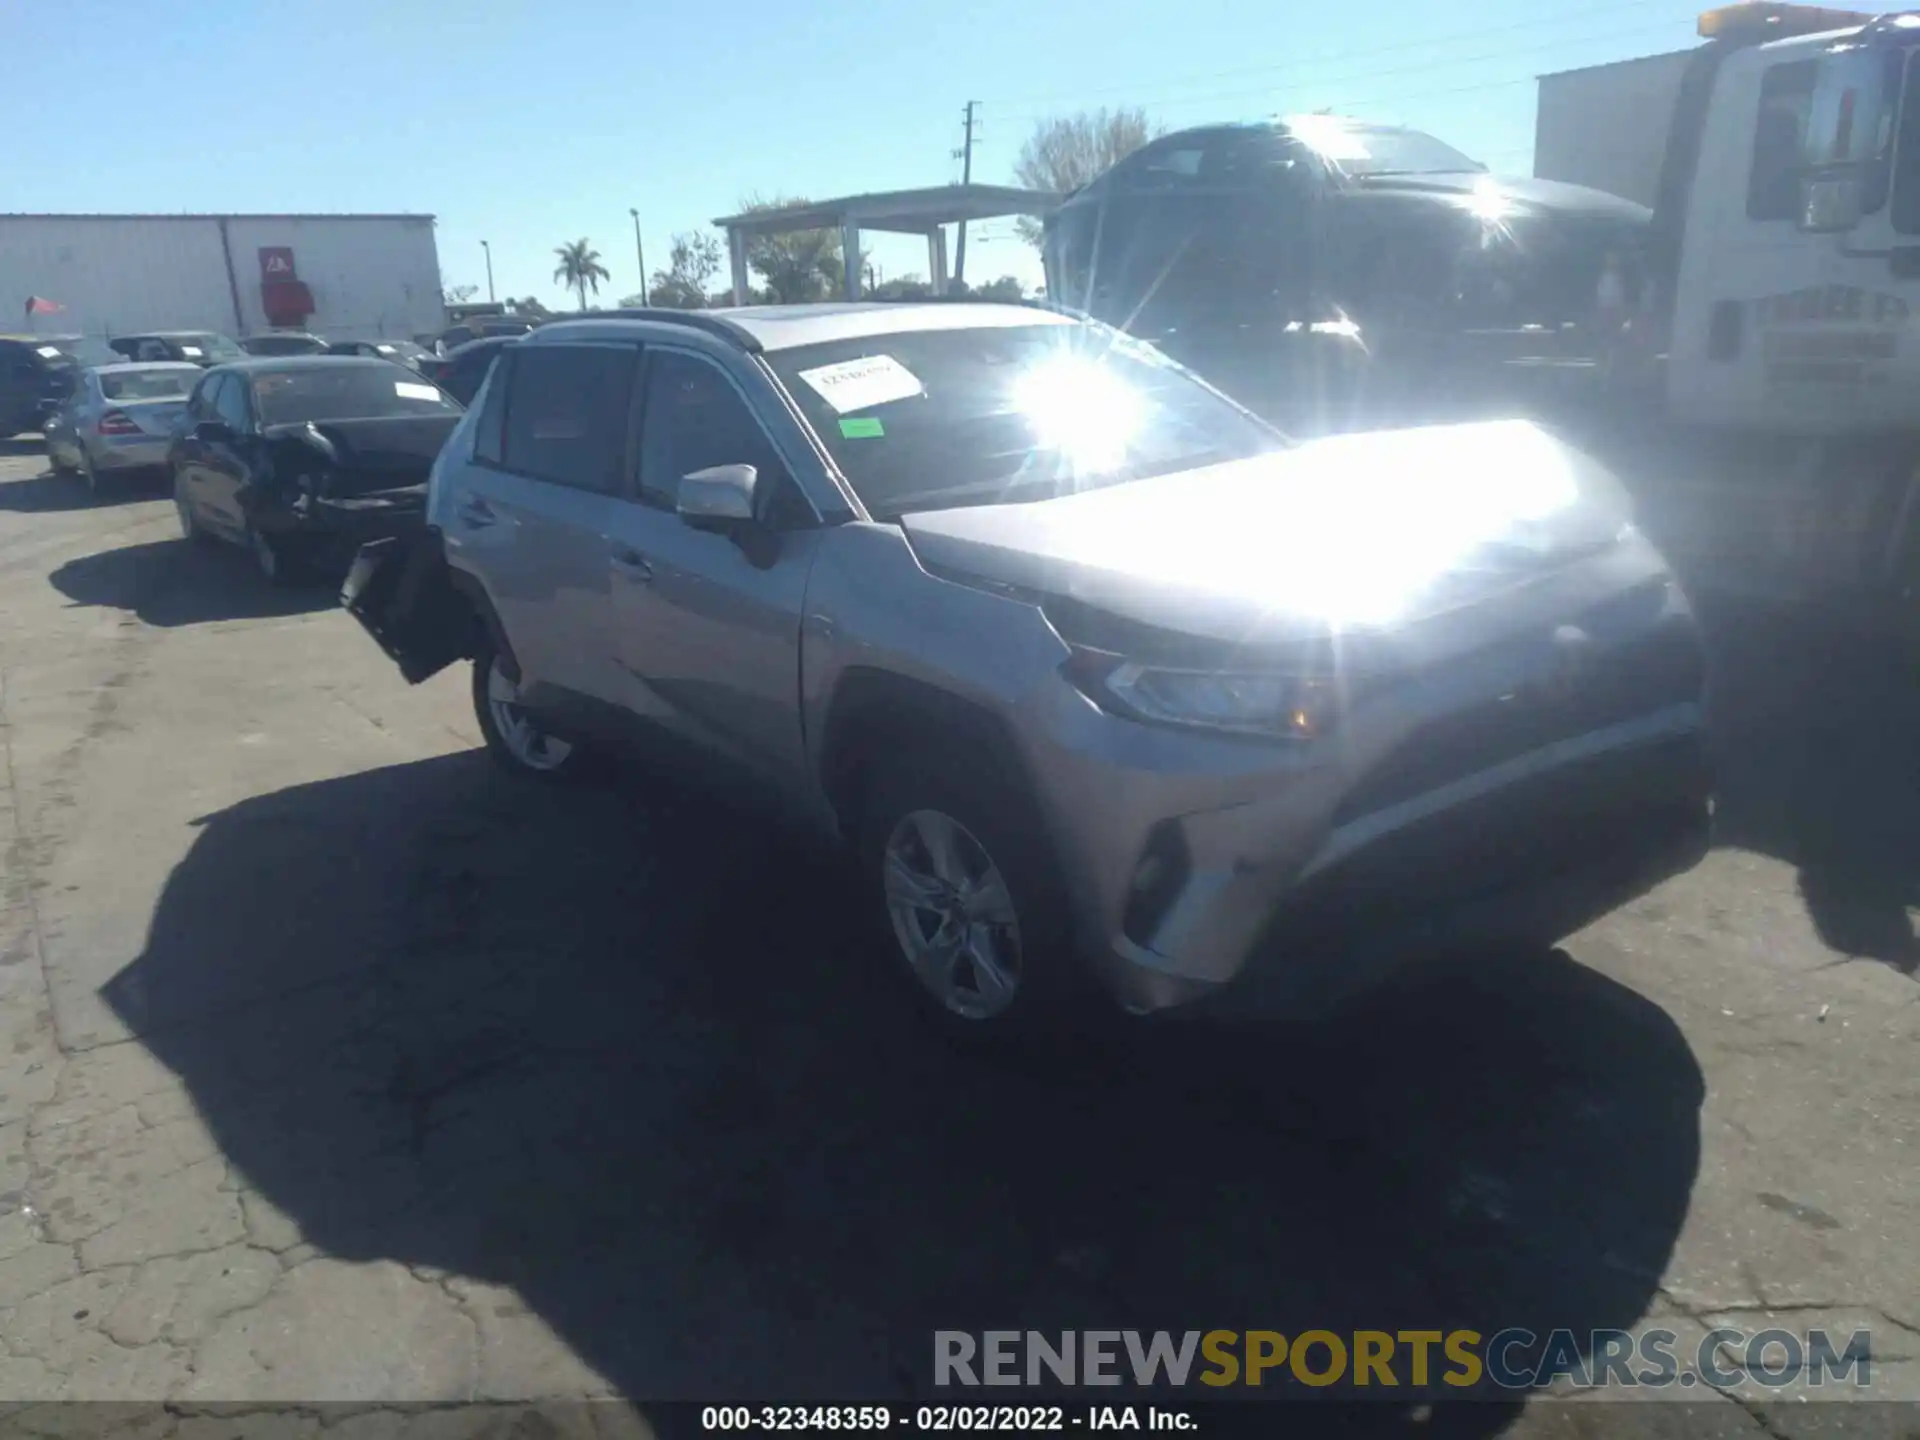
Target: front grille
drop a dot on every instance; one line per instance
(1628, 679)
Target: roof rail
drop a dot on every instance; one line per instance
(712, 324)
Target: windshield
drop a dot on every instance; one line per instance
(344, 390)
(929, 420)
(210, 347)
(285, 344)
(1377, 149)
(155, 384)
(74, 350)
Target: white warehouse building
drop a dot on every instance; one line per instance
(336, 275)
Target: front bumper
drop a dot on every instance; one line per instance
(1452, 808)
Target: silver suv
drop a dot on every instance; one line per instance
(1104, 680)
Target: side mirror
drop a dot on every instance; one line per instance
(1832, 202)
(213, 432)
(718, 498)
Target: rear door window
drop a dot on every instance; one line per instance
(567, 414)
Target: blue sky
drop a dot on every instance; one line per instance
(529, 124)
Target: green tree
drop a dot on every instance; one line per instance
(1069, 151)
(902, 287)
(692, 262)
(580, 268)
(459, 294)
(798, 265)
(1006, 288)
(529, 309)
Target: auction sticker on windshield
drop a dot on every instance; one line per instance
(47, 352)
(860, 384)
(415, 392)
(194, 350)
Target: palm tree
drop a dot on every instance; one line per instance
(580, 268)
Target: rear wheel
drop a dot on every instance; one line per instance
(514, 737)
(275, 558)
(189, 521)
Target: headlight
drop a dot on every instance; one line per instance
(1268, 704)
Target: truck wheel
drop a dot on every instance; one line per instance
(971, 910)
(513, 737)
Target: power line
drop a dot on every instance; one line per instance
(966, 178)
(1165, 100)
(1425, 43)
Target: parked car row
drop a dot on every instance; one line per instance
(1109, 685)
(40, 373)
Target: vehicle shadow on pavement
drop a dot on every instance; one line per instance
(1817, 723)
(177, 582)
(47, 492)
(632, 1056)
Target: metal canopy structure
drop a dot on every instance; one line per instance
(899, 212)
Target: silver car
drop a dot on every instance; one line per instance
(1108, 685)
(119, 418)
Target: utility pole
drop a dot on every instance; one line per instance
(641, 255)
(965, 156)
(489, 249)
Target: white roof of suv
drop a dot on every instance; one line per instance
(783, 327)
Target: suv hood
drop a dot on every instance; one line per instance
(1352, 531)
(1521, 192)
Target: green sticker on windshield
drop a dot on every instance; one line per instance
(861, 427)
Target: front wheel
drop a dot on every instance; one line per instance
(514, 738)
(969, 897)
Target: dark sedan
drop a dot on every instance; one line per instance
(38, 373)
(302, 459)
(204, 348)
(462, 372)
(400, 352)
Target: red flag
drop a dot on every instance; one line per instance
(38, 306)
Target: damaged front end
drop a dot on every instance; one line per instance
(401, 590)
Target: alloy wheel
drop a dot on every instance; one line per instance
(525, 741)
(952, 914)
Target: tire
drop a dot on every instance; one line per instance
(278, 562)
(529, 751)
(190, 529)
(1018, 931)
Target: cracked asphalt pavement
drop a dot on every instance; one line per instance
(336, 1067)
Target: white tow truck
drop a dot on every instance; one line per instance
(1776, 340)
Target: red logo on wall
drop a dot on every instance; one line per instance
(276, 263)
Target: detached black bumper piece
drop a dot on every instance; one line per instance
(399, 589)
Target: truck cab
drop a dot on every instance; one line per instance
(1787, 229)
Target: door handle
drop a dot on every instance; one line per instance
(631, 563)
(477, 515)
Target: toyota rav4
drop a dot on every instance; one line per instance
(1108, 685)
